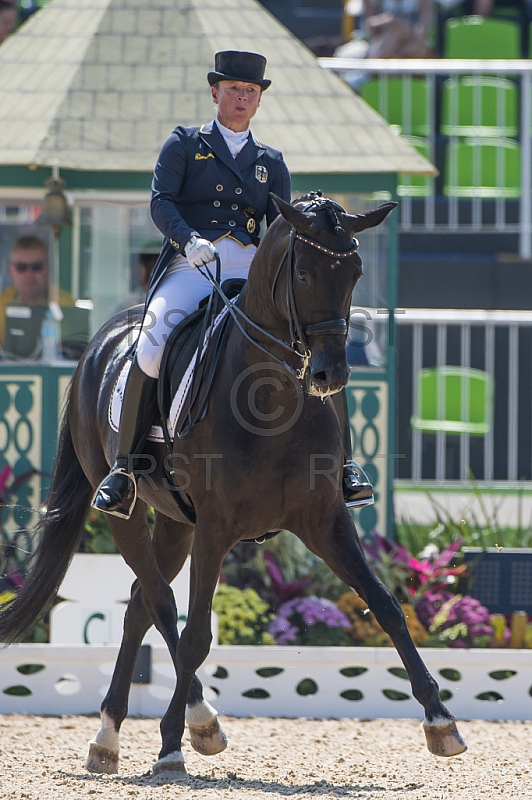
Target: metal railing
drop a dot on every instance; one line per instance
(443, 211)
(497, 342)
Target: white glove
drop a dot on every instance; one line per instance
(199, 251)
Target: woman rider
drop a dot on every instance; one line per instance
(211, 185)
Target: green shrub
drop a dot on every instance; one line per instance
(242, 616)
(477, 525)
(97, 537)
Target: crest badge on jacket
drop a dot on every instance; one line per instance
(261, 173)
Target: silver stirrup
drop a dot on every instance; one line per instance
(122, 512)
(366, 501)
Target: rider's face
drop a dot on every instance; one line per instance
(237, 103)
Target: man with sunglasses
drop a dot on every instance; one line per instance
(29, 272)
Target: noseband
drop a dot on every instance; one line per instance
(298, 344)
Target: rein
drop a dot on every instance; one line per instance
(298, 344)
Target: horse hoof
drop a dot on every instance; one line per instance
(206, 734)
(443, 738)
(170, 767)
(102, 760)
(208, 739)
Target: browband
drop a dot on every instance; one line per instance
(326, 250)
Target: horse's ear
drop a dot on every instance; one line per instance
(291, 214)
(360, 222)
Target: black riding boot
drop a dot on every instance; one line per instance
(117, 493)
(358, 491)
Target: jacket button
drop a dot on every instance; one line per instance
(216, 203)
(214, 222)
(234, 207)
(219, 188)
(232, 223)
(238, 191)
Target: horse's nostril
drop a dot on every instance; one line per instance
(322, 377)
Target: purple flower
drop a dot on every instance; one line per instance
(429, 604)
(282, 631)
(462, 622)
(281, 589)
(309, 620)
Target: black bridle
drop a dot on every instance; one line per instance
(298, 332)
(298, 344)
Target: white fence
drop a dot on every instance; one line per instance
(505, 206)
(359, 682)
(497, 342)
(362, 682)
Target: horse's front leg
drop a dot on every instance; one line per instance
(170, 552)
(341, 549)
(194, 644)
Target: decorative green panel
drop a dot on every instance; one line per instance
(20, 449)
(368, 411)
(30, 399)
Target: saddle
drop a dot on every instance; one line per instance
(185, 340)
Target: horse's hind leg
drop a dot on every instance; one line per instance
(343, 552)
(171, 543)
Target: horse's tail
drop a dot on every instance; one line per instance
(60, 532)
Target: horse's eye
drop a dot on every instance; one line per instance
(302, 276)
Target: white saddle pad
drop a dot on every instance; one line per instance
(156, 433)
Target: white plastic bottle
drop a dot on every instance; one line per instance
(51, 338)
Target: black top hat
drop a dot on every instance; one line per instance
(238, 65)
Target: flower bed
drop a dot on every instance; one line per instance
(291, 609)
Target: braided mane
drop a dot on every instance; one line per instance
(314, 201)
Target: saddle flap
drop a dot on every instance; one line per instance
(182, 345)
(179, 350)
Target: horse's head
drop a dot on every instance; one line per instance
(314, 281)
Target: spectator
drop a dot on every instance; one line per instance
(8, 19)
(393, 29)
(29, 272)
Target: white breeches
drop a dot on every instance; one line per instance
(179, 293)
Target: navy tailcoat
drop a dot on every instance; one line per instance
(199, 188)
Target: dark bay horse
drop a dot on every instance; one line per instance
(260, 461)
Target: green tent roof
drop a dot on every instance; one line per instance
(99, 85)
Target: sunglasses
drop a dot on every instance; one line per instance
(34, 266)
